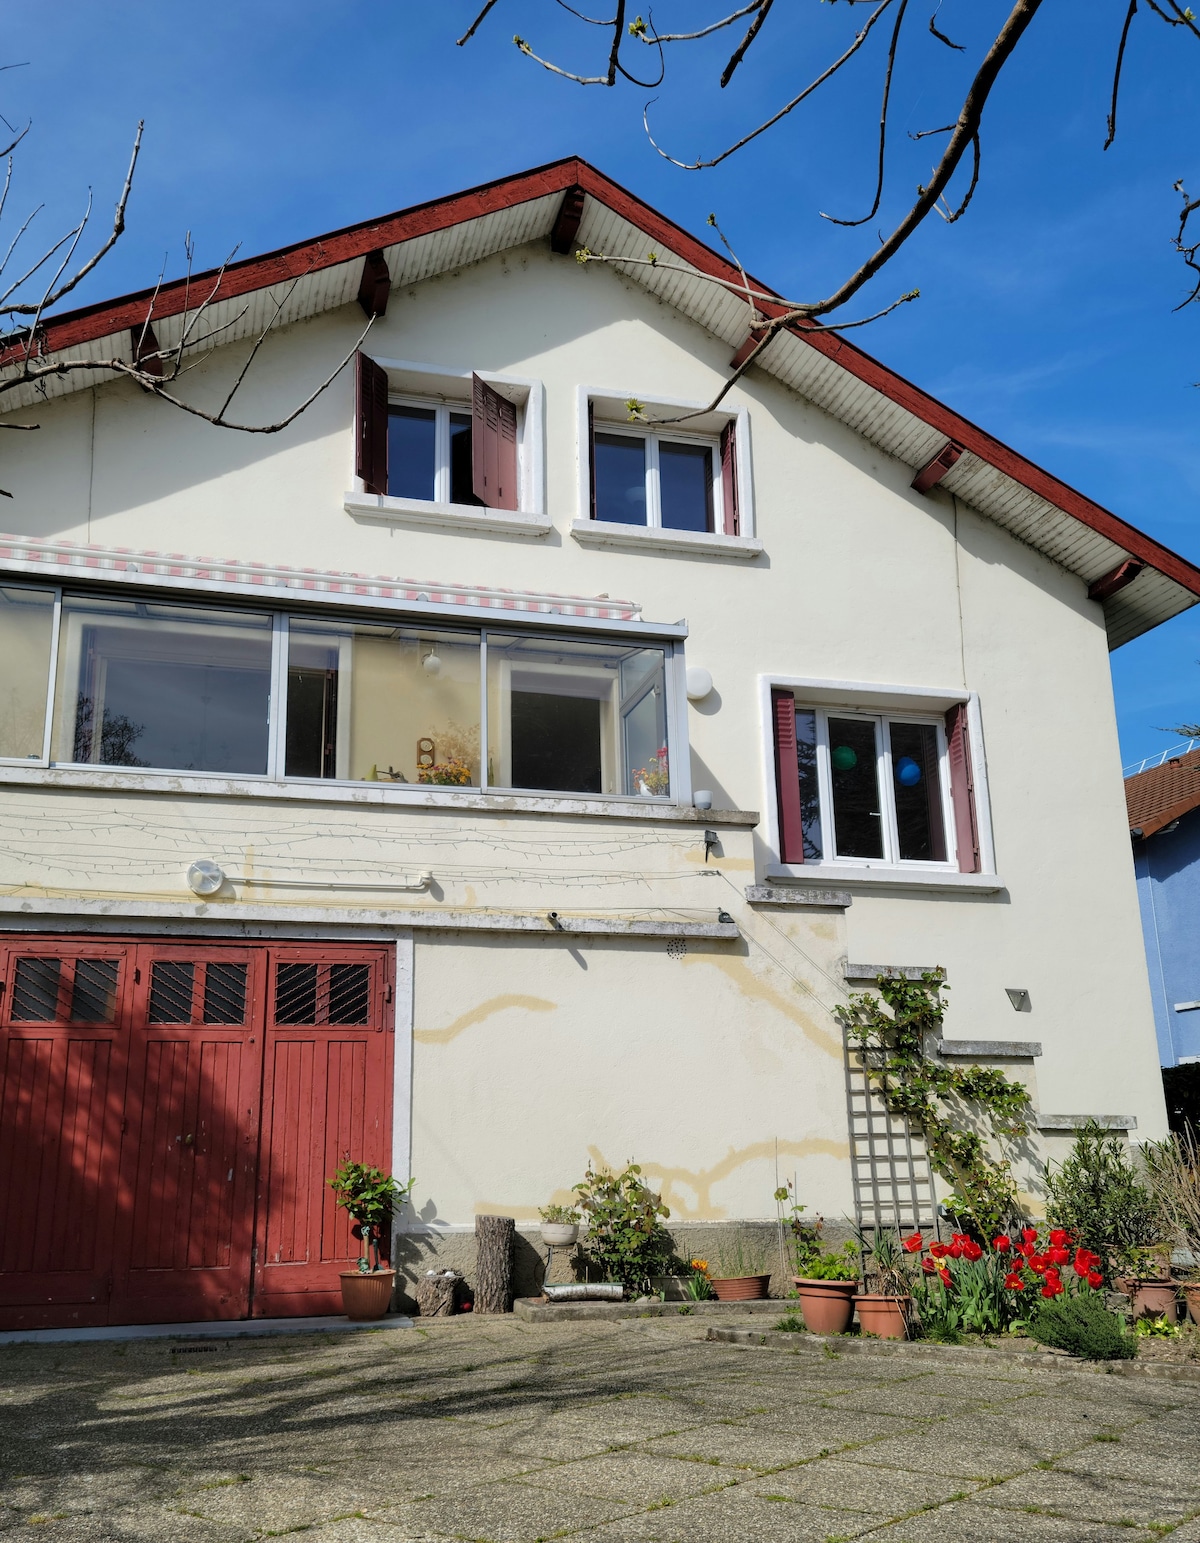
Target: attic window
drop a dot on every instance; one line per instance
(434, 450)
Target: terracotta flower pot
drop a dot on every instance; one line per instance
(1153, 1298)
(827, 1305)
(367, 1296)
(1191, 1294)
(885, 1317)
(741, 1288)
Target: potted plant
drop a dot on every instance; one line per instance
(743, 1278)
(370, 1196)
(826, 1281)
(885, 1312)
(626, 1240)
(560, 1226)
(1173, 1174)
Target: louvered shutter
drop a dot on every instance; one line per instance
(591, 455)
(729, 480)
(493, 446)
(371, 413)
(962, 789)
(787, 777)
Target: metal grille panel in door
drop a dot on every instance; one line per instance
(893, 1182)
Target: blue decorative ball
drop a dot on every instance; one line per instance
(908, 773)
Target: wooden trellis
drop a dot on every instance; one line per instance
(893, 1179)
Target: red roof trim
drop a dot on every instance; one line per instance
(72, 328)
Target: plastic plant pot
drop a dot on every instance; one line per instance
(367, 1296)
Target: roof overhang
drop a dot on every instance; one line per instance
(1139, 582)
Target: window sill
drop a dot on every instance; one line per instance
(416, 511)
(408, 795)
(636, 537)
(884, 877)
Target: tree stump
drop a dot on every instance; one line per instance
(494, 1263)
(437, 1295)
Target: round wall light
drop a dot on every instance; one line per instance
(699, 683)
(205, 877)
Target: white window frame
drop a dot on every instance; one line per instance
(706, 429)
(445, 386)
(652, 440)
(887, 794)
(441, 410)
(880, 702)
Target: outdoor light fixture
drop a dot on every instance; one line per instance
(431, 661)
(699, 683)
(205, 877)
(702, 798)
(1019, 998)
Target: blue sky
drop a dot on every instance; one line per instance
(1046, 313)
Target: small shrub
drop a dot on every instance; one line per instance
(791, 1325)
(1096, 1195)
(562, 1215)
(1082, 1326)
(626, 1241)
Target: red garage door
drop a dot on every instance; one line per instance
(168, 1117)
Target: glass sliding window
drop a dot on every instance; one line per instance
(685, 486)
(577, 717)
(182, 688)
(854, 776)
(620, 478)
(377, 703)
(26, 641)
(917, 789)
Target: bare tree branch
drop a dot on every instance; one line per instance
(471, 30)
(752, 32)
(883, 121)
(690, 37)
(941, 36)
(1116, 86)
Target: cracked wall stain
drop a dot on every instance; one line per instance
(751, 985)
(701, 1180)
(477, 1014)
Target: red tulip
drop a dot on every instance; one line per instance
(915, 1243)
(947, 1278)
(1037, 1262)
(929, 1266)
(939, 1250)
(971, 1250)
(1095, 1279)
(1058, 1237)
(955, 1250)
(1013, 1281)
(1029, 1234)
(1058, 1254)
(1052, 1288)
(1002, 1244)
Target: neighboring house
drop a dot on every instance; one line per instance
(1164, 823)
(379, 821)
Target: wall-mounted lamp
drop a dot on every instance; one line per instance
(711, 840)
(205, 877)
(699, 683)
(431, 662)
(1019, 998)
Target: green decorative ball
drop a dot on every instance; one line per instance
(844, 758)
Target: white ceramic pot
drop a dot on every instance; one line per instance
(560, 1234)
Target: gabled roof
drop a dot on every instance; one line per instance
(1163, 793)
(1139, 582)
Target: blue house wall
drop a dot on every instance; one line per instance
(1168, 882)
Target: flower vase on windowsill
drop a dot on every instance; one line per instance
(653, 780)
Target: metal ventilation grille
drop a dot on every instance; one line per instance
(315, 994)
(893, 1181)
(173, 992)
(35, 991)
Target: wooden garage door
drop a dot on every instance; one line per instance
(169, 1114)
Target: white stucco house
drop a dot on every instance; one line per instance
(477, 779)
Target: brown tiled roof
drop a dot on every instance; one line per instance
(1164, 793)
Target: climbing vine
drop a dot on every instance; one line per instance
(947, 1105)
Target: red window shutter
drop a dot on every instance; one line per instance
(371, 427)
(962, 789)
(493, 446)
(787, 777)
(729, 480)
(591, 455)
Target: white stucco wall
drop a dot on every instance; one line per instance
(697, 1067)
